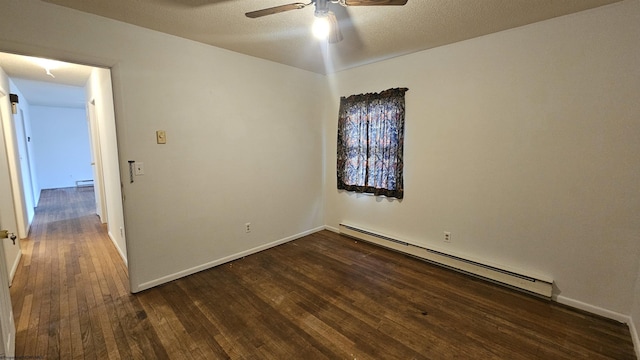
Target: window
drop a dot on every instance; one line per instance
(370, 143)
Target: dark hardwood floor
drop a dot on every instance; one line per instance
(320, 297)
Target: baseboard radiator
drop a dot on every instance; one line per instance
(534, 284)
(80, 183)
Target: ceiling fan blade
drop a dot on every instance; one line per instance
(275, 10)
(374, 2)
(335, 35)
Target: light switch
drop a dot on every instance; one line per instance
(161, 137)
(139, 168)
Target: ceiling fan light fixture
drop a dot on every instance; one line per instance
(325, 27)
(321, 27)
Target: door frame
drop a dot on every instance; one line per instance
(96, 162)
(7, 328)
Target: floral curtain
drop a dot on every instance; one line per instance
(370, 143)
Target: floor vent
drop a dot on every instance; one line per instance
(531, 283)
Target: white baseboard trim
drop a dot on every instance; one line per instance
(14, 267)
(113, 240)
(331, 228)
(594, 309)
(226, 259)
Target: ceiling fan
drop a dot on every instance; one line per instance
(328, 22)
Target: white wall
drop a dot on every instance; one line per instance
(35, 187)
(62, 153)
(27, 168)
(244, 140)
(244, 145)
(99, 90)
(7, 211)
(524, 145)
(10, 122)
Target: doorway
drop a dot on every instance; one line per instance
(42, 91)
(17, 132)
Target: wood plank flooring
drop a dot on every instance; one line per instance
(320, 297)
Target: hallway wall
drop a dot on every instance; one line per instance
(60, 139)
(99, 91)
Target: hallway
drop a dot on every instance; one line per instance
(70, 283)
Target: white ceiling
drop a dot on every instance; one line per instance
(65, 89)
(51, 94)
(371, 33)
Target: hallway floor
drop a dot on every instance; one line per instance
(71, 281)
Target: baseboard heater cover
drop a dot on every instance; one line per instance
(531, 283)
(81, 183)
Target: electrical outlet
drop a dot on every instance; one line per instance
(139, 168)
(247, 227)
(447, 237)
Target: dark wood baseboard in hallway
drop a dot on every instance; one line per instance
(320, 297)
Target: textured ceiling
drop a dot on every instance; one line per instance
(370, 33)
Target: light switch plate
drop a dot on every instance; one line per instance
(161, 137)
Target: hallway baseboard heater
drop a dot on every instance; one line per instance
(533, 284)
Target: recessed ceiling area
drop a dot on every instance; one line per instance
(371, 33)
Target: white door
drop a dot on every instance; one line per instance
(7, 325)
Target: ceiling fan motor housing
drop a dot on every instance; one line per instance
(322, 8)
